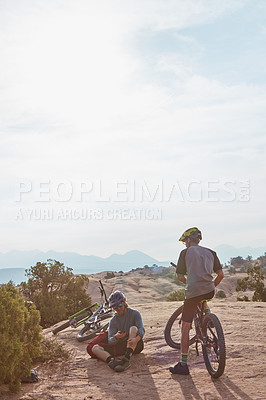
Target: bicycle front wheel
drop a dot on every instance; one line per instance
(172, 332)
(213, 346)
(91, 329)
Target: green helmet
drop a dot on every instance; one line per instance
(192, 233)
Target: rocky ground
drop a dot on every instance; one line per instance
(148, 378)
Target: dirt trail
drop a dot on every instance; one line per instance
(84, 378)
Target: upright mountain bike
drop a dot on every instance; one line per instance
(206, 330)
(94, 318)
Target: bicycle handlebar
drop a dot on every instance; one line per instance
(103, 291)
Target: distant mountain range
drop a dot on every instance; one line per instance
(14, 262)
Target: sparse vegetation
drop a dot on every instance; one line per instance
(220, 294)
(109, 275)
(176, 295)
(244, 298)
(262, 260)
(20, 338)
(55, 291)
(53, 351)
(239, 264)
(253, 281)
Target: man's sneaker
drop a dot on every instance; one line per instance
(123, 365)
(113, 363)
(181, 369)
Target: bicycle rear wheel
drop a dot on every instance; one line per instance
(91, 328)
(213, 347)
(172, 332)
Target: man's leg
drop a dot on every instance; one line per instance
(103, 355)
(181, 367)
(100, 353)
(187, 317)
(133, 333)
(186, 326)
(131, 345)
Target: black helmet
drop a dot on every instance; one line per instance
(116, 297)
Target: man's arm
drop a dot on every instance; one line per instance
(112, 331)
(219, 277)
(139, 324)
(181, 269)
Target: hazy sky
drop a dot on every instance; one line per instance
(124, 122)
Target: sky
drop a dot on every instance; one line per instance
(123, 123)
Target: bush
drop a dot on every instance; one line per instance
(20, 338)
(220, 294)
(244, 298)
(55, 291)
(253, 281)
(109, 275)
(53, 351)
(177, 295)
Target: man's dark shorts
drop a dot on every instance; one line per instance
(119, 348)
(190, 306)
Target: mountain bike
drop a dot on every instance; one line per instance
(206, 330)
(92, 317)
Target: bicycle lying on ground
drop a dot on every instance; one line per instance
(206, 329)
(92, 317)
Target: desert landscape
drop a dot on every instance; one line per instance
(148, 378)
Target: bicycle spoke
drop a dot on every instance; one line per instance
(213, 346)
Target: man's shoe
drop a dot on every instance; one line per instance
(181, 369)
(113, 363)
(123, 365)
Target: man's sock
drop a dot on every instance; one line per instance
(108, 359)
(184, 357)
(128, 353)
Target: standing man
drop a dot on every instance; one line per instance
(197, 263)
(125, 334)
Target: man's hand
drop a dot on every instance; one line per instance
(132, 343)
(120, 335)
(219, 277)
(182, 279)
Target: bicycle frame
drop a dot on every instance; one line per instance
(72, 319)
(206, 330)
(93, 316)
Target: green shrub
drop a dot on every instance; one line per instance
(55, 291)
(253, 281)
(177, 295)
(20, 338)
(220, 294)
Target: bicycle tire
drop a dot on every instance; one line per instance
(67, 324)
(172, 331)
(92, 329)
(213, 346)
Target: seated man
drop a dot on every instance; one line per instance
(125, 335)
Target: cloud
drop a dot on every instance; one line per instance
(82, 100)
